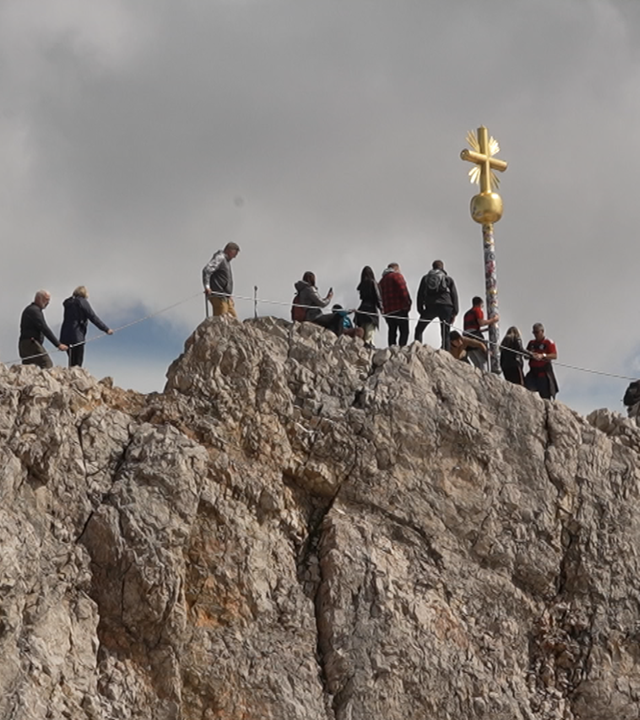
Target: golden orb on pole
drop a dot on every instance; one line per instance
(486, 207)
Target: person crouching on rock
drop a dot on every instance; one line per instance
(309, 298)
(459, 345)
(348, 327)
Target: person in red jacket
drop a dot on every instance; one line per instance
(474, 324)
(396, 303)
(542, 351)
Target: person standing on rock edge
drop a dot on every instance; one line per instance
(370, 304)
(33, 330)
(396, 303)
(77, 314)
(437, 298)
(218, 280)
(512, 356)
(542, 351)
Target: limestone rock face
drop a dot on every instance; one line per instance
(301, 528)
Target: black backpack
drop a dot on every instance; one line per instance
(437, 282)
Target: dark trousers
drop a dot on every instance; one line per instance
(331, 321)
(513, 374)
(445, 314)
(76, 355)
(398, 323)
(32, 353)
(540, 383)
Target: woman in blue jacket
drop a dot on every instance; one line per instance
(77, 313)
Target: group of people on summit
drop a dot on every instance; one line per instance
(437, 298)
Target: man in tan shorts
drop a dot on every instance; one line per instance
(218, 280)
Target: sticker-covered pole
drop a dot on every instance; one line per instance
(491, 287)
(486, 209)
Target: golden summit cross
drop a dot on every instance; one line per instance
(486, 209)
(482, 152)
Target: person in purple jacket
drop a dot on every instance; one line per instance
(77, 313)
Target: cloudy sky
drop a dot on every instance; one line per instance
(138, 137)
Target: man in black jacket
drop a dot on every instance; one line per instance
(33, 330)
(437, 298)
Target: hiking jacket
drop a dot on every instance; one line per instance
(77, 314)
(509, 359)
(395, 295)
(309, 295)
(33, 326)
(216, 274)
(445, 297)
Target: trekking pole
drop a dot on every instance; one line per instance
(255, 301)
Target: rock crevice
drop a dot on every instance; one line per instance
(299, 527)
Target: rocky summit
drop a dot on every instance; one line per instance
(299, 528)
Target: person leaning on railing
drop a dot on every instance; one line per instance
(33, 330)
(77, 315)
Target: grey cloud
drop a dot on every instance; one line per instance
(338, 128)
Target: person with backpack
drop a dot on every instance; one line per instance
(396, 303)
(348, 328)
(370, 304)
(474, 324)
(308, 303)
(77, 315)
(512, 355)
(437, 298)
(542, 351)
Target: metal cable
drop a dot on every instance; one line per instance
(268, 301)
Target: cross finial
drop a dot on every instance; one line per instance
(482, 151)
